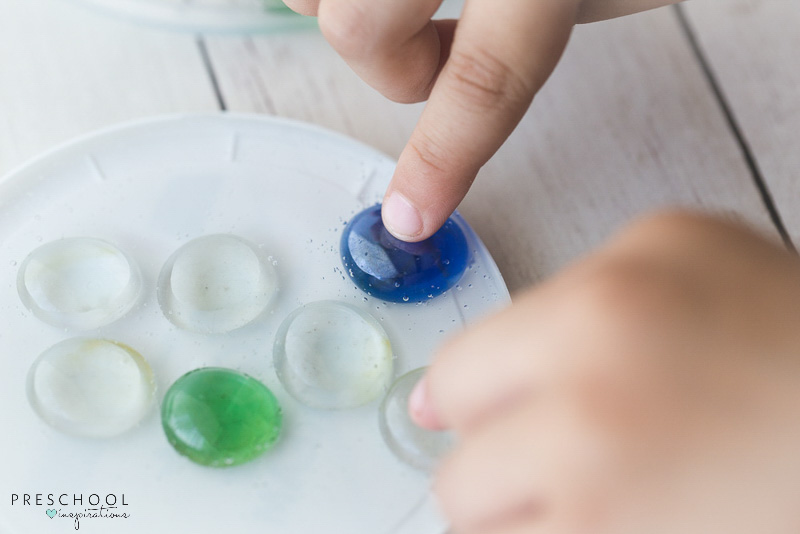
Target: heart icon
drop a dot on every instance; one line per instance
(51, 513)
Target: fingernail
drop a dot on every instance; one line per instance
(418, 398)
(400, 217)
(420, 409)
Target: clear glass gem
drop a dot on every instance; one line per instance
(333, 355)
(79, 282)
(216, 284)
(418, 447)
(91, 387)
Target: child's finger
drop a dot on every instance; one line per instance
(484, 368)
(501, 55)
(537, 463)
(594, 10)
(500, 473)
(394, 46)
(524, 525)
(304, 7)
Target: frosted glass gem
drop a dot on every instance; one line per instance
(332, 355)
(220, 417)
(416, 446)
(390, 269)
(215, 284)
(79, 282)
(91, 387)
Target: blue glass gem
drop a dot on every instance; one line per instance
(393, 270)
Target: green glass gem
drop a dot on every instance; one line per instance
(220, 417)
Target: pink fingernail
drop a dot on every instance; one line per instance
(420, 408)
(400, 217)
(418, 399)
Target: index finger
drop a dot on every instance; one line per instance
(501, 55)
(484, 368)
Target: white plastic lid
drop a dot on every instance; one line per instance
(288, 188)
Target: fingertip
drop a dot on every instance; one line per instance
(402, 218)
(424, 193)
(420, 408)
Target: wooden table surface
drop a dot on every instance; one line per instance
(694, 106)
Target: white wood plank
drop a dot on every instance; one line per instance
(66, 70)
(753, 48)
(297, 75)
(627, 124)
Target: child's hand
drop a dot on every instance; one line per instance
(479, 81)
(653, 387)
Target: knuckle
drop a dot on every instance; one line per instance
(347, 27)
(628, 313)
(632, 299)
(484, 80)
(663, 224)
